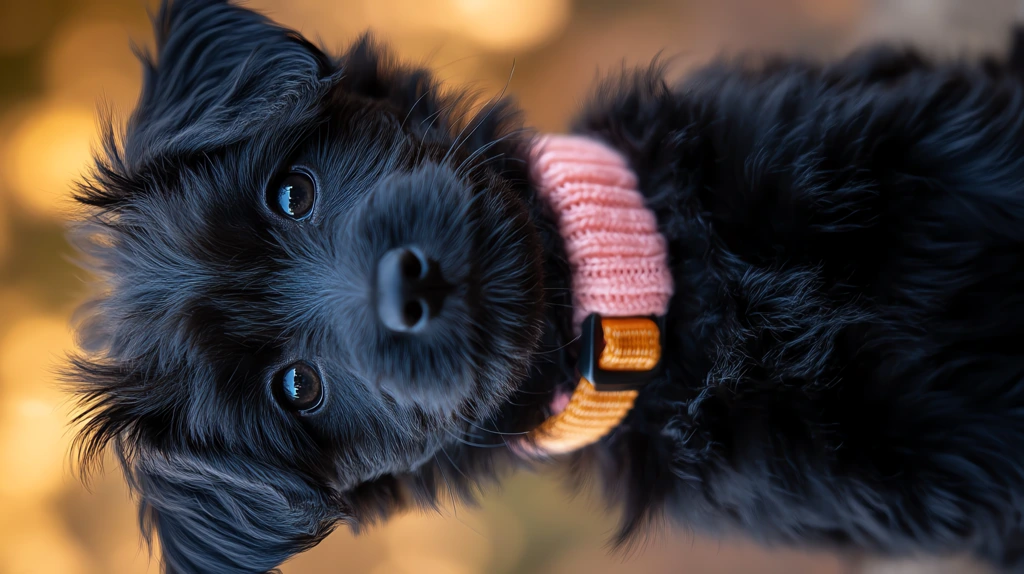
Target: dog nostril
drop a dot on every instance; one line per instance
(413, 312)
(412, 266)
(410, 290)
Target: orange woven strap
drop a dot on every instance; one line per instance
(632, 344)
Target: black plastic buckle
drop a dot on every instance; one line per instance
(591, 345)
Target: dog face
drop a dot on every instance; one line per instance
(318, 272)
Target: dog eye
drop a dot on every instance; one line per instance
(298, 388)
(294, 196)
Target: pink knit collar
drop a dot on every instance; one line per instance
(618, 258)
(619, 264)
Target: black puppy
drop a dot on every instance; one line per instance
(842, 365)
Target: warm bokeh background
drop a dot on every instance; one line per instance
(61, 60)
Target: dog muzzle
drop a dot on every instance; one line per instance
(621, 286)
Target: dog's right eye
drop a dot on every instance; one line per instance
(294, 196)
(298, 388)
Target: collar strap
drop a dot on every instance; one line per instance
(620, 280)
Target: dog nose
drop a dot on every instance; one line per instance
(410, 290)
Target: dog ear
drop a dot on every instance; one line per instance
(218, 71)
(426, 108)
(226, 514)
(372, 72)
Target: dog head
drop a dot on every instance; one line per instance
(317, 271)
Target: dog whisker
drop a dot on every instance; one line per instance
(451, 493)
(473, 444)
(413, 107)
(497, 432)
(555, 350)
(438, 114)
(484, 147)
(493, 105)
(455, 466)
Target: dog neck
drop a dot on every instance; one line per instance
(619, 279)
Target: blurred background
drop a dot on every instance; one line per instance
(63, 60)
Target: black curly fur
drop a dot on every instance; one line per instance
(842, 362)
(846, 245)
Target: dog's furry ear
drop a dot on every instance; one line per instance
(218, 70)
(226, 514)
(426, 108)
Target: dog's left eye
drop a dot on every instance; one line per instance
(298, 388)
(293, 197)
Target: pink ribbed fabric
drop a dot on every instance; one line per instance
(618, 258)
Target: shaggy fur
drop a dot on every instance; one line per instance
(847, 244)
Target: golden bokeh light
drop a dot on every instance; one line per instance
(23, 24)
(132, 557)
(509, 26)
(33, 419)
(49, 149)
(496, 25)
(31, 350)
(32, 448)
(336, 22)
(834, 13)
(90, 63)
(423, 565)
(461, 542)
(35, 540)
(5, 232)
(14, 304)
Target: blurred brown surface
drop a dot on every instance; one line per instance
(62, 60)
